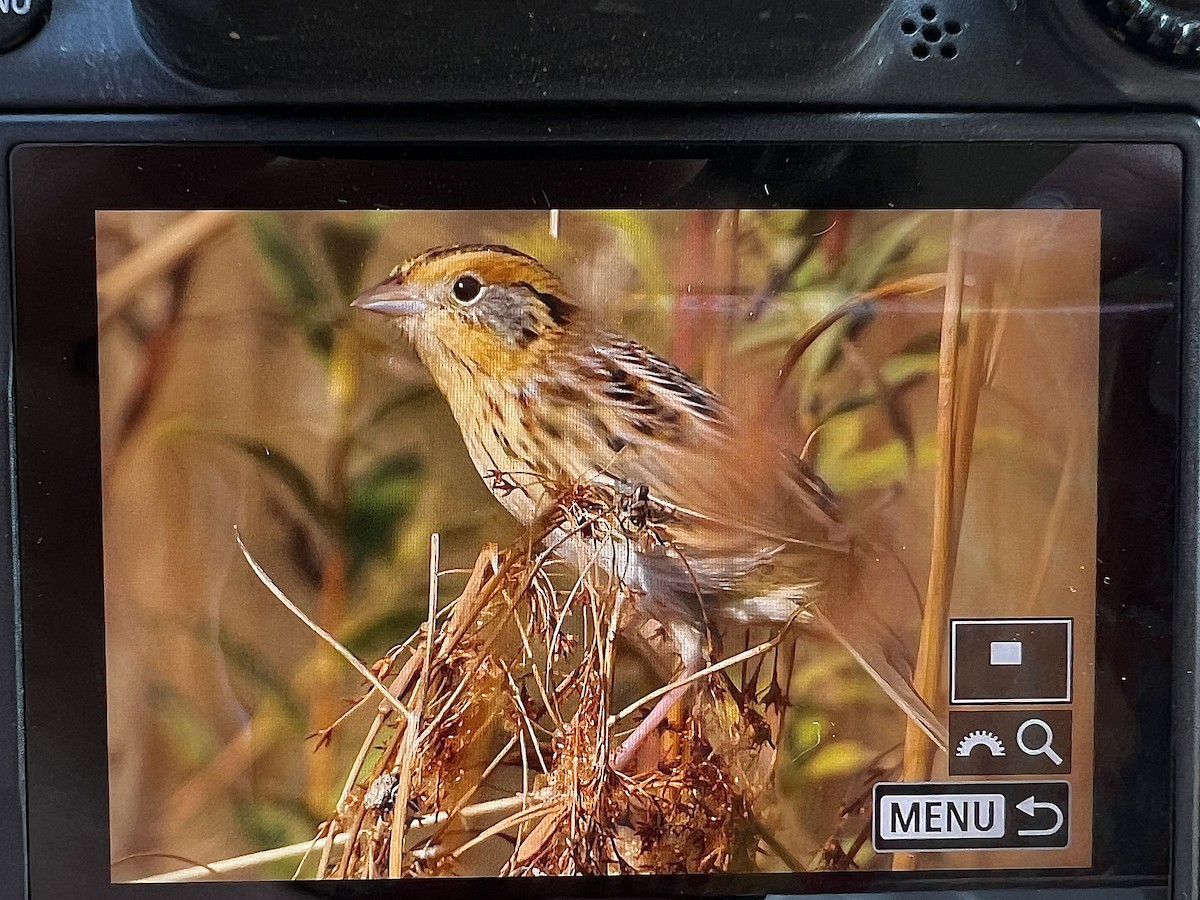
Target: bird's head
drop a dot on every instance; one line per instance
(490, 308)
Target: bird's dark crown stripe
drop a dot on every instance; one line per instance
(440, 252)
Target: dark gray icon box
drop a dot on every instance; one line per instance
(998, 661)
(1010, 742)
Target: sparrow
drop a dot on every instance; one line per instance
(744, 532)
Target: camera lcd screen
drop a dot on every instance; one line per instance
(644, 439)
(747, 538)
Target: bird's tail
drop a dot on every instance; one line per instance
(881, 654)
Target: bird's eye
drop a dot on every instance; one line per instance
(466, 289)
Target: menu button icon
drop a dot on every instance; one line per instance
(937, 816)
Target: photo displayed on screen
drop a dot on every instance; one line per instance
(597, 541)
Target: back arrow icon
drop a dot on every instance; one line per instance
(1029, 806)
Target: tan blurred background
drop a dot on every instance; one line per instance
(236, 390)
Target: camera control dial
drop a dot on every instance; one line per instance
(1166, 29)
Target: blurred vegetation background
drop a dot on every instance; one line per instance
(238, 389)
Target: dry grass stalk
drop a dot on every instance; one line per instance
(321, 632)
(962, 373)
(156, 258)
(491, 753)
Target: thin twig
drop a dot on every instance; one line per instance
(503, 825)
(354, 661)
(777, 847)
(757, 650)
(237, 863)
(473, 813)
(131, 857)
(156, 360)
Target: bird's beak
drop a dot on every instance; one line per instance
(391, 299)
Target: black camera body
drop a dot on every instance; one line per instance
(981, 104)
(183, 56)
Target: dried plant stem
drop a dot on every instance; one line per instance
(331, 832)
(238, 755)
(723, 271)
(474, 814)
(358, 665)
(155, 258)
(777, 847)
(408, 753)
(757, 650)
(904, 288)
(151, 855)
(239, 863)
(461, 808)
(156, 361)
(397, 688)
(413, 730)
(512, 821)
(465, 609)
(954, 411)
(476, 685)
(363, 750)
(674, 693)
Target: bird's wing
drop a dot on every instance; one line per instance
(752, 529)
(631, 418)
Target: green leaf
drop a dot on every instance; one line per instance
(287, 272)
(346, 248)
(903, 367)
(808, 731)
(812, 271)
(929, 342)
(274, 461)
(639, 244)
(837, 759)
(378, 221)
(827, 665)
(876, 467)
(320, 337)
(889, 462)
(293, 282)
(789, 316)
(376, 502)
(852, 404)
(839, 437)
(287, 471)
(862, 268)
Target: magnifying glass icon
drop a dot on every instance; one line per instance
(1044, 747)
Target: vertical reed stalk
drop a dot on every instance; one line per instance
(956, 404)
(403, 789)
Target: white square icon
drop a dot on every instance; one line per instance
(1006, 653)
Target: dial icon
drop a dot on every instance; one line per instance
(980, 739)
